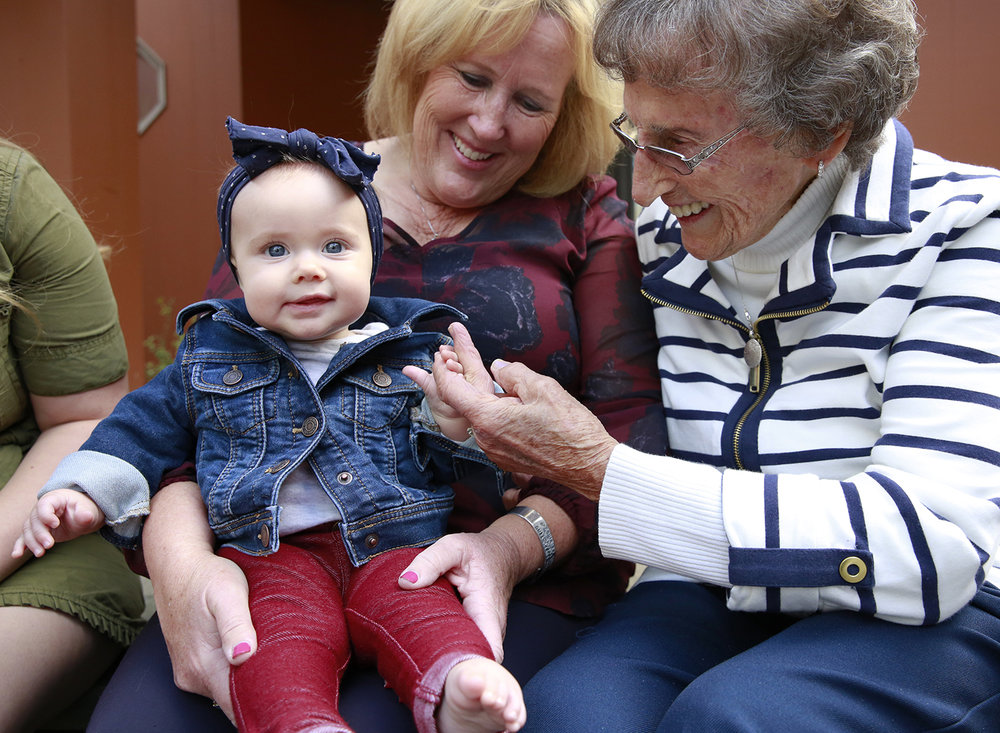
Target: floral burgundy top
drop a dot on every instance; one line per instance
(552, 283)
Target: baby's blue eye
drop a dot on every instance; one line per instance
(333, 248)
(276, 250)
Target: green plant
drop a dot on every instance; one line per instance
(161, 350)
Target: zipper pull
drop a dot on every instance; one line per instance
(753, 352)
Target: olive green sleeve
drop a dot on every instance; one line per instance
(66, 339)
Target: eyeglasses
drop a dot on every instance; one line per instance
(675, 161)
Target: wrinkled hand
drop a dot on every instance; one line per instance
(201, 598)
(536, 427)
(475, 565)
(206, 623)
(58, 516)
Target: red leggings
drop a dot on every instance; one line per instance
(310, 607)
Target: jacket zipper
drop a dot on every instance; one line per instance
(754, 383)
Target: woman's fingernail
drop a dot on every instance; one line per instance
(410, 577)
(499, 363)
(240, 649)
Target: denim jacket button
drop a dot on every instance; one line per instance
(380, 378)
(371, 541)
(264, 535)
(344, 478)
(277, 466)
(309, 426)
(233, 377)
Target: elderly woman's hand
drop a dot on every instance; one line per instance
(535, 428)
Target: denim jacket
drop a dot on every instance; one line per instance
(238, 401)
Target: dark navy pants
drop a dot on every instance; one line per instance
(671, 657)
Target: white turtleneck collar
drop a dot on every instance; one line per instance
(758, 264)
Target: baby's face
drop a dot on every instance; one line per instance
(302, 252)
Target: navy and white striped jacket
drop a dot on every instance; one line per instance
(872, 448)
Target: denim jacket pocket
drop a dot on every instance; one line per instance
(241, 395)
(377, 396)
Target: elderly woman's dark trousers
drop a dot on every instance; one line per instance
(671, 657)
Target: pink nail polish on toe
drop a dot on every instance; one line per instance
(240, 649)
(410, 577)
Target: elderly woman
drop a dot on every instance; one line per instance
(829, 328)
(491, 120)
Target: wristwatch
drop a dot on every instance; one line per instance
(541, 527)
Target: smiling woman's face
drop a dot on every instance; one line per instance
(482, 120)
(733, 198)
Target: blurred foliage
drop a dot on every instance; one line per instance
(162, 351)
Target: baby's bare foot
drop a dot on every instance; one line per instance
(480, 696)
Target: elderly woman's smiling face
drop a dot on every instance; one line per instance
(733, 198)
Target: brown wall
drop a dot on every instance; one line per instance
(63, 96)
(183, 155)
(68, 93)
(313, 76)
(957, 105)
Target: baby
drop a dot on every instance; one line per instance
(324, 468)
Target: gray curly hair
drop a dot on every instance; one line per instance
(798, 71)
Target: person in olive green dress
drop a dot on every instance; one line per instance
(66, 617)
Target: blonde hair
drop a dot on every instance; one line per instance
(422, 35)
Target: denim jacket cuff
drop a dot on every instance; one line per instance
(116, 486)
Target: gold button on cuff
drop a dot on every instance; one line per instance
(853, 569)
(264, 535)
(371, 541)
(344, 478)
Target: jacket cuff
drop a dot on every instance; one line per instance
(116, 486)
(665, 513)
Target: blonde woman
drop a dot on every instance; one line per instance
(491, 118)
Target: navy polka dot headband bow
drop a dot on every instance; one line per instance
(256, 149)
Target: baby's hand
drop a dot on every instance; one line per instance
(451, 421)
(441, 410)
(60, 515)
(451, 360)
(474, 370)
